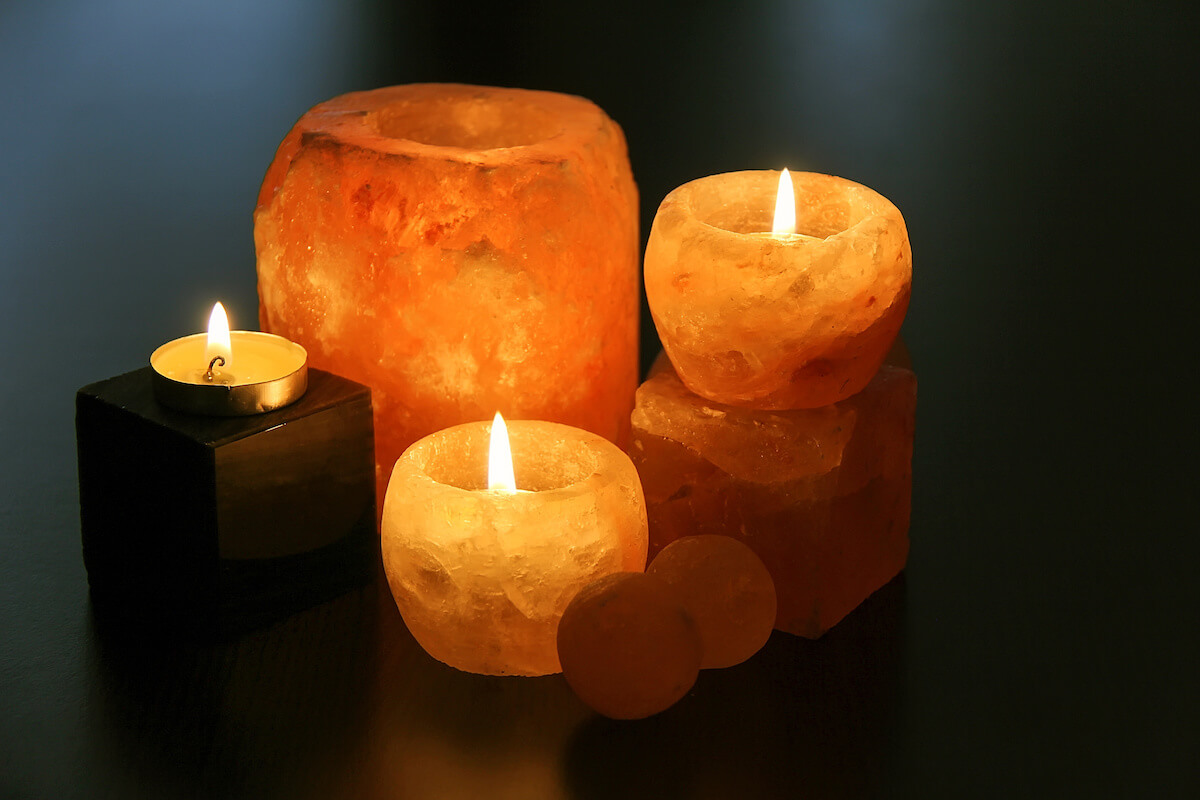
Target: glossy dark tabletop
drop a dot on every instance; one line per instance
(1041, 642)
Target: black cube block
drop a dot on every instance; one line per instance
(224, 523)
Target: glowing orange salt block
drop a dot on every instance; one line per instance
(483, 566)
(822, 495)
(459, 249)
(777, 320)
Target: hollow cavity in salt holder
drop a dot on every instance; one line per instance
(822, 495)
(482, 577)
(211, 524)
(461, 250)
(777, 321)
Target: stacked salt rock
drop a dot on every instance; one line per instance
(773, 421)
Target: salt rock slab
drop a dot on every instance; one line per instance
(777, 321)
(461, 250)
(482, 578)
(823, 496)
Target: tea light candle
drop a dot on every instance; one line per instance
(256, 502)
(229, 374)
(482, 575)
(772, 316)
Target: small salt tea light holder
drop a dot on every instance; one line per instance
(794, 313)
(481, 568)
(226, 485)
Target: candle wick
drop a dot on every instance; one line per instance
(208, 376)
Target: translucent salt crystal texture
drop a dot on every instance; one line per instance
(821, 495)
(460, 249)
(482, 577)
(782, 321)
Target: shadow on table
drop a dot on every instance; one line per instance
(275, 712)
(441, 732)
(799, 719)
(341, 702)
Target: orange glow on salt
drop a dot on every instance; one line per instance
(218, 337)
(785, 205)
(500, 464)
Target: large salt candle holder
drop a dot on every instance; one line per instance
(458, 249)
(481, 576)
(777, 321)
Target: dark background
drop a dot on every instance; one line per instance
(1042, 641)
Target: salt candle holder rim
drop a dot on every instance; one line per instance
(685, 197)
(438, 449)
(383, 123)
(444, 118)
(231, 399)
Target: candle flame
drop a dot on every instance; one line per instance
(500, 463)
(218, 337)
(785, 205)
